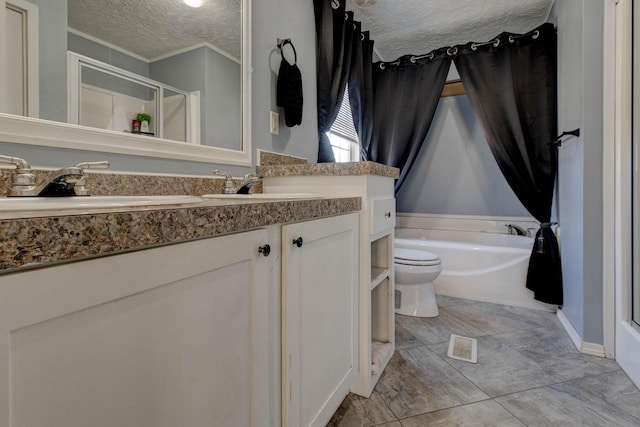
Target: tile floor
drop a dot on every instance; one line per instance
(528, 373)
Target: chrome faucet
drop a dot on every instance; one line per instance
(249, 181)
(243, 187)
(61, 182)
(515, 229)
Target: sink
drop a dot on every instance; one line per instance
(22, 207)
(263, 196)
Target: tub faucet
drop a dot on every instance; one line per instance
(61, 182)
(515, 229)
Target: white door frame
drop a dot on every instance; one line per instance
(620, 338)
(30, 47)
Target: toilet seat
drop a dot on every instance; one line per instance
(415, 257)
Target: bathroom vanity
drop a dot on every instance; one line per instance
(373, 183)
(223, 312)
(188, 333)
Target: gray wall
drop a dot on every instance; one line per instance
(52, 40)
(271, 19)
(284, 19)
(455, 172)
(224, 101)
(186, 71)
(218, 80)
(580, 64)
(107, 55)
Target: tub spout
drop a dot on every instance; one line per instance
(515, 229)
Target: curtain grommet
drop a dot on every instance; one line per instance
(382, 66)
(335, 4)
(536, 34)
(496, 43)
(511, 39)
(452, 51)
(474, 47)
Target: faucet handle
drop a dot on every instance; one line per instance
(222, 173)
(228, 183)
(80, 187)
(22, 179)
(93, 165)
(17, 161)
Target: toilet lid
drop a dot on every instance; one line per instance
(415, 257)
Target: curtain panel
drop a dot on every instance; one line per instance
(361, 88)
(406, 95)
(511, 84)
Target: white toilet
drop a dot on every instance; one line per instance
(415, 271)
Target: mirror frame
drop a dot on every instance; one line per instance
(46, 133)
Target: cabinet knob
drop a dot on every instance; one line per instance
(264, 250)
(388, 214)
(298, 242)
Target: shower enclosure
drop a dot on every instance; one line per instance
(106, 97)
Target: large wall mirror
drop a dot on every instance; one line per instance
(83, 74)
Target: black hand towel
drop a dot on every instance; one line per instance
(289, 88)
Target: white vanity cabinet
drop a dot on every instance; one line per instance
(172, 336)
(376, 281)
(319, 317)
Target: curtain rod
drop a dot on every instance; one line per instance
(453, 50)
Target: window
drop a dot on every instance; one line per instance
(343, 136)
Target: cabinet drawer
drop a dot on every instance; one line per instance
(382, 215)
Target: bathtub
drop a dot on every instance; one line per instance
(476, 265)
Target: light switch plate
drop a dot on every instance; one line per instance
(275, 123)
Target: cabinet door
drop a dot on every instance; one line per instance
(173, 336)
(320, 311)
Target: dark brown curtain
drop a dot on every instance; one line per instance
(406, 95)
(511, 85)
(335, 32)
(361, 88)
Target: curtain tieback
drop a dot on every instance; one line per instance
(540, 239)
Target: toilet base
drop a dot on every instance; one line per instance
(417, 300)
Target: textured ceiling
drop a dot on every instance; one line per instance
(401, 27)
(151, 28)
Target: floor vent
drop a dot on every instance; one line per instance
(463, 348)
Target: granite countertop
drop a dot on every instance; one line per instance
(43, 241)
(329, 169)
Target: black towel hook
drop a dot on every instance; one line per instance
(281, 43)
(558, 141)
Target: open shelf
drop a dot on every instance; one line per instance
(381, 353)
(378, 274)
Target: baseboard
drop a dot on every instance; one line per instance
(587, 348)
(592, 349)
